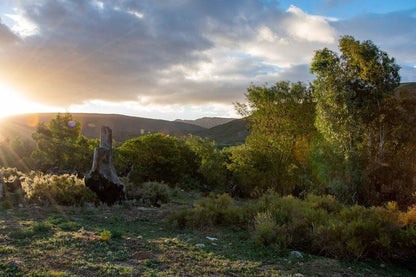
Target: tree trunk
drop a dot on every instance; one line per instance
(102, 178)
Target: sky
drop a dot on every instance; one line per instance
(186, 59)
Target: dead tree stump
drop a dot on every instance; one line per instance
(102, 178)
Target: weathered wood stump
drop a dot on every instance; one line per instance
(102, 178)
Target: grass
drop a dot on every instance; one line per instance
(135, 241)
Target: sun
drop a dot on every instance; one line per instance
(13, 102)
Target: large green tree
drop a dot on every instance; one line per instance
(60, 146)
(280, 118)
(357, 113)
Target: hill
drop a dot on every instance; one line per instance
(207, 122)
(231, 133)
(124, 127)
(407, 91)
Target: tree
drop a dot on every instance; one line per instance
(212, 162)
(60, 146)
(158, 157)
(356, 111)
(275, 156)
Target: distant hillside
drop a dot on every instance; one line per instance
(207, 122)
(407, 91)
(124, 127)
(231, 133)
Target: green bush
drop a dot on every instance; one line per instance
(157, 157)
(318, 225)
(216, 209)
(64, 189)
(268, 232)
(153, 193)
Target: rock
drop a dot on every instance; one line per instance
(139, 237)
(296, 254)
(200, 245)
(20, 205)
(102, 178)
(298, 275)
(211, 238)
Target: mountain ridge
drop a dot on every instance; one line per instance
(124, 127)
(207, 122)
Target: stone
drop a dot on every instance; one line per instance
(102, 178)
(200, 245)
(296, 254)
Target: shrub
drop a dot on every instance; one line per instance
(105, 235)
(327, 202)
(157, 157)
(267, 232)
(214, 210)
(409, 217)
(11, 179)
(265, 228)
(153, 193)
(58, 189)
(319, 225)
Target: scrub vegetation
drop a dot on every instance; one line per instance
(324, 185)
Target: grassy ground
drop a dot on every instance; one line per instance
(69, 241)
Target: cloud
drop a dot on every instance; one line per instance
(392, 32)
(308, 27)
(168, 52)
(6, 35)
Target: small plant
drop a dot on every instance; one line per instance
(409, 217)
(41, 227)
(105, 235)
(265, 228)
(214, 210)
(154, 193)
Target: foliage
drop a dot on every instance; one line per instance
(213, 162)
(161, 250)
(323, 225)
(362, 123)
(268, 232)
(409, 217)
(60, 147)
(153, 193)
(318, 225)
(215, 210)
(160, 158)
(105, 235)
(276, 152)
(11, 179)
(63, 189)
